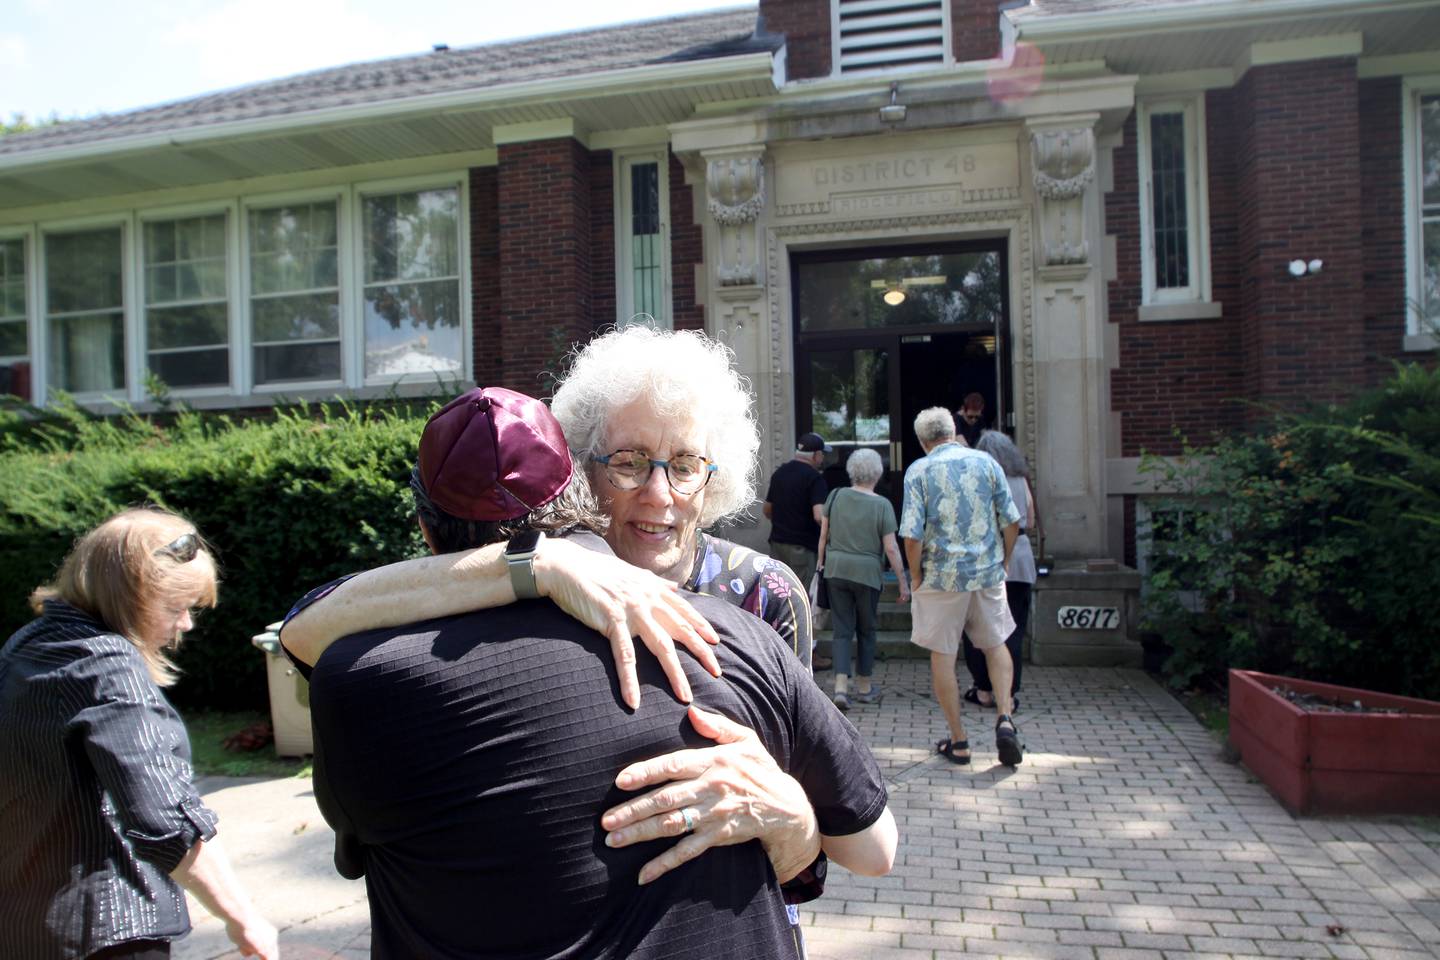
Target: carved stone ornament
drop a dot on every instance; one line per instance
(1063, 162)
(735, 188)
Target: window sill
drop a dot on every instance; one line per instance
(272, 397)
(1420, 342)
(1167, 312)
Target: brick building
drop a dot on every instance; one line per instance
(1088, 211)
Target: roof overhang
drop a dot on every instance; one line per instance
(653, 95)
(1198, 36)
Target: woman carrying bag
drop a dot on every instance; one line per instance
(857, 533)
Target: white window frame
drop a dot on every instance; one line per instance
(624, 268)
(1197, 200)
(230, 209)
(32, 327)
(346, 258)
(40, 376)
(377, 188)
(1412, 89)
(946, 36)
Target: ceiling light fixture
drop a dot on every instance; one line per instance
(894, 296)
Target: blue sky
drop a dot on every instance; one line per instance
(81, 57)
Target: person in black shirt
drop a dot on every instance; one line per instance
(466, 762)
(792, 504)
(970, 419)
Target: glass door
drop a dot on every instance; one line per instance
(853, 389)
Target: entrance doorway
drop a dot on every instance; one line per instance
(881, 334)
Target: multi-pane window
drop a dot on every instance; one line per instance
(295, 293)
(85, 311)
(642, 261)
(187, 311)
(1172, 202)
(14, 331)
(645, 236)
(412, 283)
(1429, 195)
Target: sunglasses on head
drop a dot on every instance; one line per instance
(182, 549)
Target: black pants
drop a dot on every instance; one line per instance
(1017, 595)
(135, 950)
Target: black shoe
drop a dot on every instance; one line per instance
(1007, 742)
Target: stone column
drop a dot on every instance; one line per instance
(1072, 378)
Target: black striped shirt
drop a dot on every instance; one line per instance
(97, 799)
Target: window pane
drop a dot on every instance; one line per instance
(306, 317)
(293, 248)
(850, 395)
(412, 236)
(413, 328)
(87, 353)
(194, 326)
(952, 288)
(12, 279)
(1169, 217)
(644, 198)
(1430, 281)
(12, 338)
(15, 379)
(193, 368)
(1430, 150)
(83, 271)
(305, 361)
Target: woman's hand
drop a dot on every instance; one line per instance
(734, 792)
(622, 601)
(254, 937)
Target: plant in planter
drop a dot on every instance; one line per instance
(1327, 749)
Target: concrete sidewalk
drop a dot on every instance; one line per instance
(1123, 836)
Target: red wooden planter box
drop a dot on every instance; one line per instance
(1322, 762)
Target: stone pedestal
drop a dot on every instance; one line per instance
(1086, 619)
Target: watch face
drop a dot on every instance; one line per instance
(522, 542)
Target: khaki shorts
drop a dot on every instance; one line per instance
(939, 617)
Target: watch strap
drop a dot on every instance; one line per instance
(520, 558)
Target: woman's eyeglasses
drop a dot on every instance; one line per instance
(182, 549)
(630, 470)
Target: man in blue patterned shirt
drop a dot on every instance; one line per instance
(959, 525)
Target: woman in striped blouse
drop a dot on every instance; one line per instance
(100, 822)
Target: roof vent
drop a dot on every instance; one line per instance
(885, 34)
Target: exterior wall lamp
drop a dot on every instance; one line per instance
(1299, 268)
(893, 112)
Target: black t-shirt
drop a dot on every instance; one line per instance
(466, 762)
(795, 490)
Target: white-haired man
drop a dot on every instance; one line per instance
(959, 524)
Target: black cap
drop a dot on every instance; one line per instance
(811, 443)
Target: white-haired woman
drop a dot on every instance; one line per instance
(857, 534)
(1019, 576)
(665, 426)
(102, 822)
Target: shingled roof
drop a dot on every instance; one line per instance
(701, 36)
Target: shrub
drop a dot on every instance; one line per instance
(287, 503)
(1309, 548)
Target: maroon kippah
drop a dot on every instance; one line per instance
(493, 454)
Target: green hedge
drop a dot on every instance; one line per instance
(1310, 547)
(288, 503)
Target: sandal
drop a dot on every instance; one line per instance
(973, 696)
(1007, 742)
(947, 748)
(841, 701)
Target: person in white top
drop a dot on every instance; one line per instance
(1019, 575)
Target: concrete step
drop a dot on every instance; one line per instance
(889, 645)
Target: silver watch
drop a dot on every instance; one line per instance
(520, 557)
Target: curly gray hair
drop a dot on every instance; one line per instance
(934, 424)
(1003, 449)
(864, 466)
(687, 378)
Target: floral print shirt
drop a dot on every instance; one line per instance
(757, 584)
(957, 501)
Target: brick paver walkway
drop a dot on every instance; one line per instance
(1123, 836)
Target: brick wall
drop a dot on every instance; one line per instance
(602, 238)
(1298, 179)
(1382, 230)
(806, 26)
(975, 29)
(686, 251)
(485, 274)
(1173, 375)
(545, 258)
